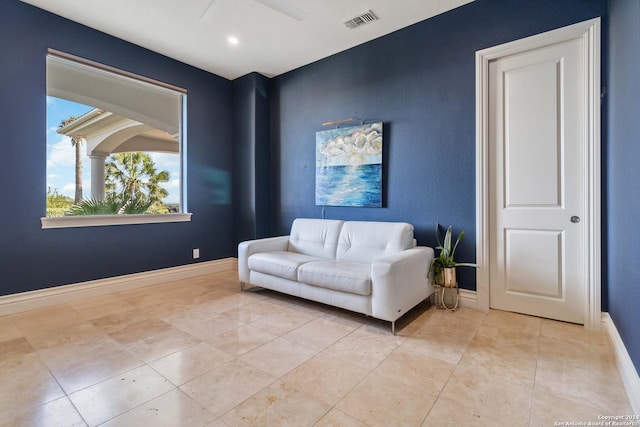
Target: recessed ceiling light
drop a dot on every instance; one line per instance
(233, 40)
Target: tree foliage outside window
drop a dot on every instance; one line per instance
(132, 186)
(133, 177)
(57, 204)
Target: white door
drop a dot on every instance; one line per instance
(537, 181)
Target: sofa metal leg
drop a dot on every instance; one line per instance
(393, 327)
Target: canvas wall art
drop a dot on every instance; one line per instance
(349, 166)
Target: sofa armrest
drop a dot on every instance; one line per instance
(250, 247)
(399, 282)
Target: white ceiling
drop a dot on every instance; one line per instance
(275, 36)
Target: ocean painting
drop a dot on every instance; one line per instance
(349, 166)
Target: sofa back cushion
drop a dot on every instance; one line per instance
(363, 241)
(315, 237)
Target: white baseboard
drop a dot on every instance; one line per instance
(16, 303)
(627, 370)
(468, 299)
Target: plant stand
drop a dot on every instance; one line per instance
(440, 297)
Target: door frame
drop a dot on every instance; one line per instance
(589, 33)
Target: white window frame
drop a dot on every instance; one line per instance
(104, 220)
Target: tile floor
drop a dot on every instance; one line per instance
(199, 352)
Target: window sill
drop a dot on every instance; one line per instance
(101, 220)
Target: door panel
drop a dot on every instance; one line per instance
(536, 178)
(532, 135)
(526, 251)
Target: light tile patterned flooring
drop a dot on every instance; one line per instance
(200, 352)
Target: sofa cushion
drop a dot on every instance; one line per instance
(351, 277)
(279, 263)
(365, 241)
(315, 237)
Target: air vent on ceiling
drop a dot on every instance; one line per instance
(363, 19)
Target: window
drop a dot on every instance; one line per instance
(115, 146)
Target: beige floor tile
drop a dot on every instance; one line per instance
(36, 323)
(8, 329)
(26, 382)
(119, 394)
(138, 331)
(277, 405)
(445, 343)
(76, 368)
(381, 401)
(14, 349)
(309, 307)
(227, 386)
(225, 302)
(504, 343)
(283, 321)
(253, 311)
(347, 318)
(346, 368)
(364, 347)
(414, 319)
(461, 321)
(206, 328)
(75, 337)
(161, 344)
(582, 354)
(416, 370)
(57, 413)
(518, 369)
(191, 362)
(379, 327)
(241, 340)
(326, 378)
(463, 314)
(319, 333)
(455, 413)
(505, 320)
(337, 418)
(502, 354)
(278, 356)
(94, 308)
(489, 398)
(156, 304)
(117, 322)
(572, 332)
(598, 385)
(169, 410)
(138, 292)
(549, 408)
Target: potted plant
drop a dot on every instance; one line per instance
(443, 267)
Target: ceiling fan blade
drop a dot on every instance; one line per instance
(285, 8)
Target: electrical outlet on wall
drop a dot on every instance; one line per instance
(196, 253)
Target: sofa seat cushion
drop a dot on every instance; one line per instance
(279, 263)
(351, 277)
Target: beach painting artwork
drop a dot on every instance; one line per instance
(349, 166)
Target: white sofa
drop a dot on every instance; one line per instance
(373, 268)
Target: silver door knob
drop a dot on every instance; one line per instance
(575, 219)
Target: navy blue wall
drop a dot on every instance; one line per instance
(421, 82)
(32, 258)
(623, 178)
(251, 157)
